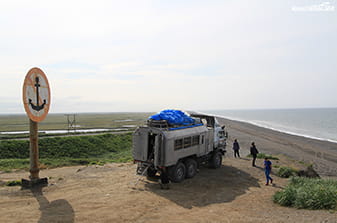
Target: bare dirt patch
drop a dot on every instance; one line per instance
(113, 193)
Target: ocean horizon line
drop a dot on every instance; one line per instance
(186, 110)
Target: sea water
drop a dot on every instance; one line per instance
(317, 123)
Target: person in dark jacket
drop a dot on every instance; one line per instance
(164, 179)
(253, 152)
(236, 148)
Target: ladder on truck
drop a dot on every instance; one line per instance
(141, 170)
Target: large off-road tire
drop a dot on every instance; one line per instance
(151, 172)
(191, 168)
(216, 160)
(177, 172)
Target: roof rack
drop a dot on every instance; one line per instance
(157, 123)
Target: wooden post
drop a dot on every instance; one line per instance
(34, 151)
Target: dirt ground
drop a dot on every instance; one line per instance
(113, 193)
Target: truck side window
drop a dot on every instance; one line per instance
(202, 139)
(178, 144)
(187, 142)
(195, 140)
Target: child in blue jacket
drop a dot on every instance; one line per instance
(267, 169)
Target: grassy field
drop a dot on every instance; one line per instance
(83, 120)
(66, 151)
(308, 193)
(74, 150)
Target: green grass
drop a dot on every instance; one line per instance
(77, 133)
(9, 164)
(67, 151)
(308, 193)
(71, 150)
(72, 146)
(262, 156)
(286, 172)
(13, 183)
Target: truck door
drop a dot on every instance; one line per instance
(203, 145)
(151, 146)
(209, 141)
(140, 145)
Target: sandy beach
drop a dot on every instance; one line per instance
(322, 154)
(233, 193)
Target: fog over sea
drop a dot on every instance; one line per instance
(317, 123)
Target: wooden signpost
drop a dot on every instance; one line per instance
(36, 100)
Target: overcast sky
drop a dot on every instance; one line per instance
(112, 56)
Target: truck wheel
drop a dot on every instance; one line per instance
(191, 168)
(177, 172)
(216, 160)
(151, 172)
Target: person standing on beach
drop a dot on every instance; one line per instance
(236, 148)
(253, 152)
(164, 180)
(267, 170)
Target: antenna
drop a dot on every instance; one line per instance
(71, 118)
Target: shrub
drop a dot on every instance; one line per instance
(309, 172)
(286, 172)
(285, 197)
(73, 146)
(66, 151)
(13, 183)
(11, 149)
(308, 193)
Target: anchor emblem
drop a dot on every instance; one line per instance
(37, 107)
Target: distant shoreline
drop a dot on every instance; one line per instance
(281, 131)
(322, 154)
(273, 126)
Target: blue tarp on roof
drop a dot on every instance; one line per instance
(173, 117)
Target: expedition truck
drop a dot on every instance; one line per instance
(178, 150)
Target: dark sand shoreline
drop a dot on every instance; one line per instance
(322, 154)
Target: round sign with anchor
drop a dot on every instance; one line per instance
(36, 94)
